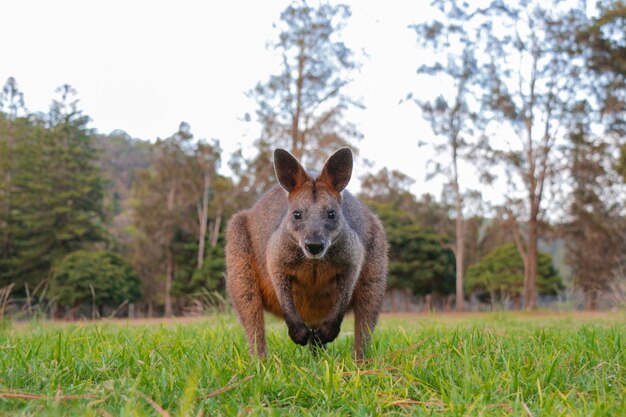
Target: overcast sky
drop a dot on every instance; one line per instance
(145, 66)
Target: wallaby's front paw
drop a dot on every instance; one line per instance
(327, 332)
(299, 333)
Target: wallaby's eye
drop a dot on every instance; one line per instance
(297, 215)
(332, 214)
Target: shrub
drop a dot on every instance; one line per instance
(502, 271)
(111, 277)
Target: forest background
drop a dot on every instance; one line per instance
(96, 224)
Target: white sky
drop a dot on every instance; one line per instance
(145, 66)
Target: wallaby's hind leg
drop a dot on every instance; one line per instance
(242, 284)
(368, 300)
(365, 318)
(368, 297)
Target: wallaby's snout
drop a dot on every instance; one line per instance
(315, 246)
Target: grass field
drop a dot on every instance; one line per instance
(496, 364)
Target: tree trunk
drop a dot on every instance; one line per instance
(215, 231)
(526, 275)
(72, 312)
(459, 251)
(169, 257)
(169, 278)
(530, 272)
(407, 299)
(394, 307)
(591, 299)
(428, 303)
(524, 254)
(203, 214)
(57, 311)
(296, 139)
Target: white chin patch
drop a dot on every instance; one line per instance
(311, 256)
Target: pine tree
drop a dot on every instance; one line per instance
(57, 204)
(76, 180)
(11, 110)
(30, 226)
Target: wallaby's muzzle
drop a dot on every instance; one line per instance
(315, 247)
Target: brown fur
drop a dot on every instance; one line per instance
(272, 264)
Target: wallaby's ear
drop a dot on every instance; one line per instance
(338, 169)
(289, 172)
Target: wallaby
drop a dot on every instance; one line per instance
(307, 251)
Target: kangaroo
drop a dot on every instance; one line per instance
(308, 252)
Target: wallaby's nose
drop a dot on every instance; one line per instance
(314, 246)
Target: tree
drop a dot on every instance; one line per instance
(175, 201)
(417, 259)
(101, 277)
(12, 99)
(595, 231)
(204, 165)
(593, 235)
(392, 187)
(25, 253)
(388, 186)
(601, 42)
(11, 102)
(302, 108)
(450, 118)
(528, 82)
(162, 203)
(77, 180)
(120, 158)
(210, 278)
(57, 190)
(501, 272)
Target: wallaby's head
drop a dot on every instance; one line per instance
(314, 217)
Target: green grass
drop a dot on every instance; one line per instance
(477, 365)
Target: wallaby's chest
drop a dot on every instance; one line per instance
(314, 289)
(314, 276)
